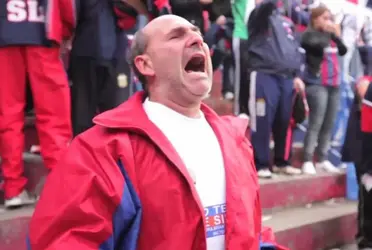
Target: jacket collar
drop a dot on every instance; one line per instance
(131, 114)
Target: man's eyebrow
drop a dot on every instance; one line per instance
(196, 29)
(183, 29)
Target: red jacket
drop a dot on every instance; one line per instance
(60, 19)
(121, 185)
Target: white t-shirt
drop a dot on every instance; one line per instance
(198, 147)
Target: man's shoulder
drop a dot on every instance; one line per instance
(101, 139)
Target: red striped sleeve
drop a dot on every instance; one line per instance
(366, 114)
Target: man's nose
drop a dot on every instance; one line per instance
(195, 40)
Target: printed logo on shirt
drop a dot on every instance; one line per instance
(215, 220)
(25, 11)
(122, 81)
(260, 107)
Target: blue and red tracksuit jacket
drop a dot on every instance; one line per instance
(101, 26)
(36, 22)
(330, 71)
(121, 185)
(127, 16)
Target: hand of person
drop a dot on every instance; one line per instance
(330, 27)
(299, 85)
(206, 1)
(221, 20)
(367, 181)
(362, 87)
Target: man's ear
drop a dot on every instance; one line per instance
(144, 65)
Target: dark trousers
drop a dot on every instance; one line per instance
(93, 90)
(241, 77)
(228, 74)
(270, 108)
(364, 235)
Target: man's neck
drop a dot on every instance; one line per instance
(192, 111)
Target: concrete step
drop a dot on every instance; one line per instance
(14, 228)
(347, 247)
(288, 191)
(317, 227)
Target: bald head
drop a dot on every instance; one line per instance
(160, 54)
(142, 38)
(162, 23)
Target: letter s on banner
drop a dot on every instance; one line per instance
(16, 11)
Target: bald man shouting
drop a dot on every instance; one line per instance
(160, 172)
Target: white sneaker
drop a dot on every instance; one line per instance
(328, 167)
(264, 173)
(23, 198)
(288, 170)
(229, 96)
(243, 116)
(308, 168)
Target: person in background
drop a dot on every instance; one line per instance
(322, 78)
(191, 10)
(219, 38)
(241, 10)
(30, 40)
(274, 66)
(92, 63)
(97, 47)
(365, 92)
(366, 33)
(353, 148)
(299, 15)
(125, 172)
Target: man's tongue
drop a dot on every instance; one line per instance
(194, 65)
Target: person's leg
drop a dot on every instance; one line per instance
(237, 75)
(325, 133)
(51, 93)
(227, 77)
(82, 72)
(264, 100)
(241, 81)
(364, 236)
(282, 130)
(12, 104)
(317, 98)
(107, 87)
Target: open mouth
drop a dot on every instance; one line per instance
(196, 64)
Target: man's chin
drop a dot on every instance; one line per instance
(199, 88)
(201, 94)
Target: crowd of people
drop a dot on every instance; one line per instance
(282, 61)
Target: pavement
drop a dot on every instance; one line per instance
(347, 247)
